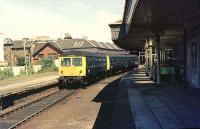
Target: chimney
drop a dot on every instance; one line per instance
(67, 36)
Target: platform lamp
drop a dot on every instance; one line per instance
(150, 57)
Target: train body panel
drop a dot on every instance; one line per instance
(107, 63)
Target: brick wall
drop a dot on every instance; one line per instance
(47, 51)
(7, 53)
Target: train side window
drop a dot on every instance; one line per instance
(77, 62)
(66, 62)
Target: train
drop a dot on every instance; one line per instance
(77, 67)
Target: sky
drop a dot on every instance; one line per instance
(29, 18)
(90, 18)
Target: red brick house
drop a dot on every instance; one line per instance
(45, 50)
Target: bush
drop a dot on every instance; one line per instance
(6, 73)
(30, 71)
(20, 61)
(48, 64)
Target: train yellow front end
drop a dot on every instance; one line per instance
(72, 69)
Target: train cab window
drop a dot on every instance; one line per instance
(66, 62)
(77, 62)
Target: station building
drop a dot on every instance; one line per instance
(162, 30)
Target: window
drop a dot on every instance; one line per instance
(15, 59)
(40, 56)
(52, 55)
(195, 32)
(77, 62)
(65, 62)
(15, 49)
(195, 47)
(194, 55)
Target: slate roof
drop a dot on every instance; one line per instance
(74, 43)
(68, 44)
(8, 41)
(20, 44)
(38, 46)
(104, 45)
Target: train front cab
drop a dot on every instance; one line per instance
(72, 69)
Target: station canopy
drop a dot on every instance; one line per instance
(144, 18)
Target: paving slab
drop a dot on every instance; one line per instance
(166, 107)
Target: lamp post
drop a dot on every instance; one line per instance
(25, 57)
(150, 57)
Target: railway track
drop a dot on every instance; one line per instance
(19, 115)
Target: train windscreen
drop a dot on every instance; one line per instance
(66, 62)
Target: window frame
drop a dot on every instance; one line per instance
(62, 60)
(53, 55)
(80, 62)
(195, 47)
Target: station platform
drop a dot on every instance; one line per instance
(24, 84)
(169, 106)
(128, 101)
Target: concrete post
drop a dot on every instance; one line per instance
(25, 61)
(157, 39)
(146, 58)
(139, 58)
(150, 58)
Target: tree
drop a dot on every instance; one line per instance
(48, 64)
(20, 61)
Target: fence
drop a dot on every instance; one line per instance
(16, 70)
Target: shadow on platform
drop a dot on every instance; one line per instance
(115, 111)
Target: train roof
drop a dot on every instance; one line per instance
(80, 53)
(83, 53)
(122, 55)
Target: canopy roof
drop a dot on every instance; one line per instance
(144, 18)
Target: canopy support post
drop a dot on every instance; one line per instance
(157, 39)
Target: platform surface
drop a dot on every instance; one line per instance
(169, 106)
(20, 85)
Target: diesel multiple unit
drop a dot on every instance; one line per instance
(77, 67)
